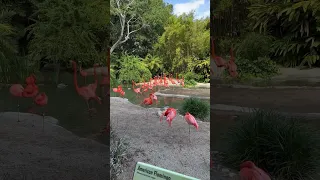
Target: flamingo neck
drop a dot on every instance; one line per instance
(213, 55)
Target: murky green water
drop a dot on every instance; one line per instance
(175, 102)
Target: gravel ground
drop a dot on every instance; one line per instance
(29, 153)
(154, 143)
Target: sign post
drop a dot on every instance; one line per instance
(145, 171)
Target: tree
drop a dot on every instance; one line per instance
(294, 24)
(69, 30)
(184, 41)
(130, 20)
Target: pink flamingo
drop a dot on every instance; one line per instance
(154, 97)
(148, 102)
(41, 100)
(136, 90)
(86, 91)
(217, 59)
(170, 114)
(16, 90)
(249, 171)
(191, 121)
(231, 65)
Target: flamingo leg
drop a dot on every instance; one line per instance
(18, 111)
(43, 122)
(189, 134)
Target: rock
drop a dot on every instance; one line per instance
(159, 113)
(225, 170)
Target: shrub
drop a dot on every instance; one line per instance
(190, 83)
(281, 145)
(254, 45)
(196, 107)
(132, 68)
(262, 67)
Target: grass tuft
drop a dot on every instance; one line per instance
(281, 145)
(196, 107)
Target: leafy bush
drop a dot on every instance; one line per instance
(196, 107)
(190, 76)
(133, 68)
(190, 83)
(281, 145)
(253, 46)
(261, 67)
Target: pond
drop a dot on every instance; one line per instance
(163, 101)
(66, 106)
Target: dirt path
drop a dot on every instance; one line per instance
(28, 153)
(154, 143)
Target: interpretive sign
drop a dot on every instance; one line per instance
(145, 171)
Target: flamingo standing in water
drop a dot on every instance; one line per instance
(191, 121)
(86, 91)
(16, 90)
(217, 59)
(136, 90)
(249, 171)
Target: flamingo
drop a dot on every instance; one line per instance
(30, 91)
(231, 65)
(154, 97)
(86, 91)
(16, 90)
(136, 90)
(95, 84)
(249, 171)
(191, 121)
(31, 79)
(41, 100)
(217, 59)
(170, 114)
(147, 101)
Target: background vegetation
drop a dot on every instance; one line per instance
(158, 42)
(281, 145)
(38, 33)
(267, 31)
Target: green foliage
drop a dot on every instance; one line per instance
(133, 68)
(190, 83)
(296, 26)
(184, 45)
(68, 30)
(283, 146)
(153, 63)
(254, 45)
(262, 67)
(196, 107)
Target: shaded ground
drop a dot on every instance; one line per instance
(154, 143)
(28, 153)
(287, 100)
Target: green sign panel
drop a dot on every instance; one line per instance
(145, 171)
